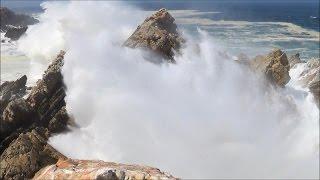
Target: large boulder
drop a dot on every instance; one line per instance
(8, 17)
(90, 169)
(27, 154)
(157, 33)
(274, 66)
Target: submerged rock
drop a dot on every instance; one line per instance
(157, 33)
(27, 154)
(14, 33)
(275, 67)
(90, 169)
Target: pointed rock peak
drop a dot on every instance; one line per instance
(157, 33)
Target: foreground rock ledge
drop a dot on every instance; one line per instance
(90, 169)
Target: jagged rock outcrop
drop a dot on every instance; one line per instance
(310, 77)
(47, 97)
(8, 17)
(157, 33)
(294, 59)
(10, 90)
(275, 67)
(14, 33)
(44, 107)
(17, 114)
(82, 169)
(27, 154)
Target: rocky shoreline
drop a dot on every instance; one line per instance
(28, 122)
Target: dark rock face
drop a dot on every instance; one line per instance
(14, 33)
(26, 155)
(17, 114)
(10, 90)
(27, 123)
(275, 67)
(8, 17)
(157, 33)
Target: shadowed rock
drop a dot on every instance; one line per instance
(11, 90)
(157, 33)
(8, 17)
(27, 154)
(14, 33)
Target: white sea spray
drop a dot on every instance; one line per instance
(204, 117)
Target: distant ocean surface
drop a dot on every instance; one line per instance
(243, 26)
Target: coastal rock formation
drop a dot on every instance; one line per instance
(294, 59)
(10, 90)
(8, 17)
(85, 169)
(157, 33)
(44, 107)
(310, 78)
(275, 67)
(26, 155)
(14, 33)
(17, 114)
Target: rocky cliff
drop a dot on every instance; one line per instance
(14, 24)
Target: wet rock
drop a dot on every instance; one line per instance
(91, 169)
(14, 33)
(274, 66)
(294, 59)
(26, 155)
(157, 33)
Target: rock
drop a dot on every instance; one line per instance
(315, 90)
(91, 169)
(294, 59)
(10, 90)
(44, 107)
(26, 155)
(17, 114)
(59, 122)
(8, 17)
(14, 33)
(275, 67)
(157, 33)
(47, 97)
